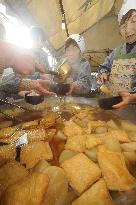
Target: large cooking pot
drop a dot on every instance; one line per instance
(124, 198)
(128, 113)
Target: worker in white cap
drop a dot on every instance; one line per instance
(119, 68)
(79, 70)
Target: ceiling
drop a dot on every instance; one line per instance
(95, 19)
(80, 16)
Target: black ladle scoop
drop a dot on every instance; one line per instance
(107, 102)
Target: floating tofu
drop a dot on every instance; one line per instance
(93, 140)
(129, 147)
(41, 166)
(72, 129)
(112, 144)
(30, 124)
(7, 132)
(114, 170)
(132, 136)
(120, 135)
(92, 125)
(76, 143)
(17, 134)
(29, 190)
(128, 126)
(112, 124)
(81, 172)
(130, 156)
(57, 184)
(50, 134)
(10, 173)
(96, 195)
(32, 153)
(36, 135)
(92, 154)
(7, 152)
(82, 113)
(66, 154)
(49, 120)
(82, 123)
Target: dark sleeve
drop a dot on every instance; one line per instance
(106, 66)
(83, 82)
(10, 84)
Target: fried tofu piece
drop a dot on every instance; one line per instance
(111, 124)
(72, 129)
(32, 153)
(10, 173)
(92, 125)
(79, 122)
(128, 126)
(96, 195)
(7, 132)
(49, 120)
(132, 136)
(76, 143)
(41, 134)
(93, 140)
(129, 147)
(92, 154)
(58, 184)
(81, 172)
(114, 170)
(30, 190)
(50, 134)
(36, 135)
(82, 114)
(41, 166)
(30, 125)
(60, 135)
(112, 144)
(66, 154)
(13, 137)
(7, 152)
(120, 135)
(130, 156)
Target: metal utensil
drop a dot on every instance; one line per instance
(63, 70)
(15, 105)
(29, 114)
(15, 119)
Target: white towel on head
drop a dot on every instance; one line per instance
(127, 6)
(79, 40)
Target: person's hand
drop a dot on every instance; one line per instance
(72, 88)
(24, 65)
(127, 98)
(103, 78)
(42, 86)
(41, 68)
(23, 93)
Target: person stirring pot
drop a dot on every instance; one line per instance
(119, 68)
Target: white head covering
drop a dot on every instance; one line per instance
(79, 40)
(127, 6)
